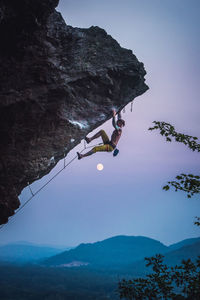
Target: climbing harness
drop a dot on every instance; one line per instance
(43, 186)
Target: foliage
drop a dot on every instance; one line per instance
(169, 132)
(197, 222)
(179, 282)
(188, 183)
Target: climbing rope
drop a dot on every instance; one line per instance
(30, 189)
(43, 186)
(65, 166)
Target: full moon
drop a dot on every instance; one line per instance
(100, 167)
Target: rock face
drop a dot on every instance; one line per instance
(57, 83)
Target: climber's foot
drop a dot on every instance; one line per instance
(87, 140)
(79, 155)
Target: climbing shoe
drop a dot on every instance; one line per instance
(116, 151)
(87, 140)
(79, 155)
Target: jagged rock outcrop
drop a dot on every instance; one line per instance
(57, 83)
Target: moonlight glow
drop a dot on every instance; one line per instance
(100, 167)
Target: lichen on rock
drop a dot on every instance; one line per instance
(57, 83)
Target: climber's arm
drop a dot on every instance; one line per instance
(113, 119)
(119, 116)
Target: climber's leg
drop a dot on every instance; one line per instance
(102, 148)
(97, 135)
(86, 154)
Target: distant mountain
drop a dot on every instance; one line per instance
(191, 251)
(115, 251)
(99, 267)
(26, 252)
(184, 243)
(171, 258)
(27, 243)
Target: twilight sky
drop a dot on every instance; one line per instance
(86, 205)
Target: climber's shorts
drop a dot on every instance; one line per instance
(106, 147)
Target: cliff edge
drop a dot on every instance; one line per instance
(57, 83)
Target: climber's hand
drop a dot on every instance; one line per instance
(114, 112)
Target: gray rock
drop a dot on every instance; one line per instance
(57, 83)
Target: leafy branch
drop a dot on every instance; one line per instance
(188, 183)
(179, 282)
(169, 132)
(197, 222)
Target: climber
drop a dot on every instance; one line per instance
(108, 145)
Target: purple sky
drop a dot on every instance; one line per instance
(85, 205)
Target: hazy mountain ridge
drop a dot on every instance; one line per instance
(184, 243)
(26, 252)
(95, 281)
(185, 252)
(123, 251)
(115, 252)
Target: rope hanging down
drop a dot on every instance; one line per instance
(43, 186)
(65, 165)
(124, 109)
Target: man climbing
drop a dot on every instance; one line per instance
(108, 145)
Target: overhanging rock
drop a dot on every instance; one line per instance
(57, 83)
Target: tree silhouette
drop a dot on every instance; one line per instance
(179, 282)
(188, 183)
